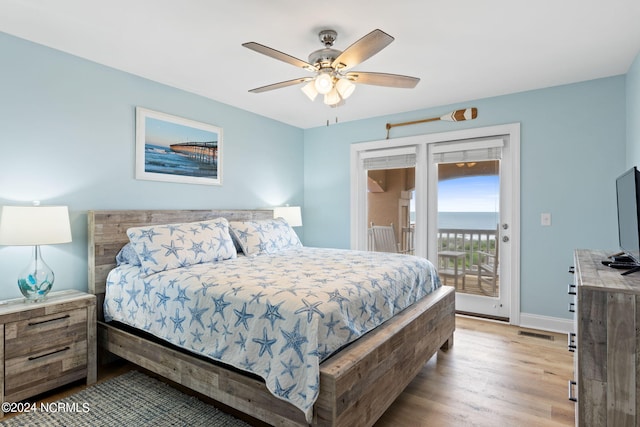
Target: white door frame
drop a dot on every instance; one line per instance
(420, 142)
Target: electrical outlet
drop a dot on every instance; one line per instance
(545, 219)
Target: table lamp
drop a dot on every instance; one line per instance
(292, 214)
(35, 226)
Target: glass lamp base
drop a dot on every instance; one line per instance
(36, 280)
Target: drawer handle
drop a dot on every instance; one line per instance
(572, 384)
(66, 316)
(572, 307)
(570, 342)
(49, 354)
(572, 269)
(571, 290)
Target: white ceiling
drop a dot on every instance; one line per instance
(461, 50)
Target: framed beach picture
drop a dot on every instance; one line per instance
(174, 149)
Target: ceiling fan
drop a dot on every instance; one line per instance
(329, 65)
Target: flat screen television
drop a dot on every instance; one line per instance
(628, 200)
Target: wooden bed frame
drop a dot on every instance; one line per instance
(357, 384)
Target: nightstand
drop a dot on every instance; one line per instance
(47, 344)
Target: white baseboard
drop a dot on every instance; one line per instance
(545, 323)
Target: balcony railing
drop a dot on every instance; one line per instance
(468, 241)
(451, 239)
(461, 246)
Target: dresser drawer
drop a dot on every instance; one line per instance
(44, 350)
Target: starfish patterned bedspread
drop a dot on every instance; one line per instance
(275, 315)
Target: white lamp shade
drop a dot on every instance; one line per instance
(324, 83)
(310, 90)
(34, 225)
(291, 214)
(345, 88)
(332, 98)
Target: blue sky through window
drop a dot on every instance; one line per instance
(469, 194)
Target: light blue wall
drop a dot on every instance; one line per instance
(633, 114)
(67, 136)
(572, 148)
(67, 130)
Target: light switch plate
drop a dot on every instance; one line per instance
(545, 219)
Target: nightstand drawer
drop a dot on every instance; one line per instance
(29, 375)
(43, 352)
(38, 335)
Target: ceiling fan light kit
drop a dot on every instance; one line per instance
(324, 83)
(330, 64)
(310, 90)
(345, 88)
(332, 98)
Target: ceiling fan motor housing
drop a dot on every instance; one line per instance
(323, 58)
(328, 37)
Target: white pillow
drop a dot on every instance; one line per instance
(264, 236)
(168, 246)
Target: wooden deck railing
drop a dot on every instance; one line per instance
(468, 241)
(452, 239)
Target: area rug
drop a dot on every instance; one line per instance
(131, 399)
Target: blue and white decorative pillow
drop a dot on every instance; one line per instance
(127, 255)
(168, 246)
(264, 236)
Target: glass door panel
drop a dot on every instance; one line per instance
(389, 215)
(470, 230)
(468, 218)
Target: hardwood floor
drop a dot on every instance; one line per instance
(491, 377)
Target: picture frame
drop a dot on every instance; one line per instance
(174, 149)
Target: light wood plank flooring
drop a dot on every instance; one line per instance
(491, 377)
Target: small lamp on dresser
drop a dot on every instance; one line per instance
(35, 226)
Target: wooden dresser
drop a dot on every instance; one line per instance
(606, 343)
(46, 344)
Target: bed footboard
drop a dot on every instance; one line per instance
(357, 386)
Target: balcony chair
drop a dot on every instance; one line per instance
(488, 269)
(384, 238)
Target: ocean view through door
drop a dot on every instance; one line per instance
(471, 227)
(462, 193)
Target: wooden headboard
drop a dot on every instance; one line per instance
(108, 234)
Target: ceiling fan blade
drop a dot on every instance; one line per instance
(281, 85)
(383, 79)
(276, 54)
(363, 49)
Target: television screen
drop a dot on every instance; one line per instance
(627, 191)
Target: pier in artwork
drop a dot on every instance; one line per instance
(206, 152)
